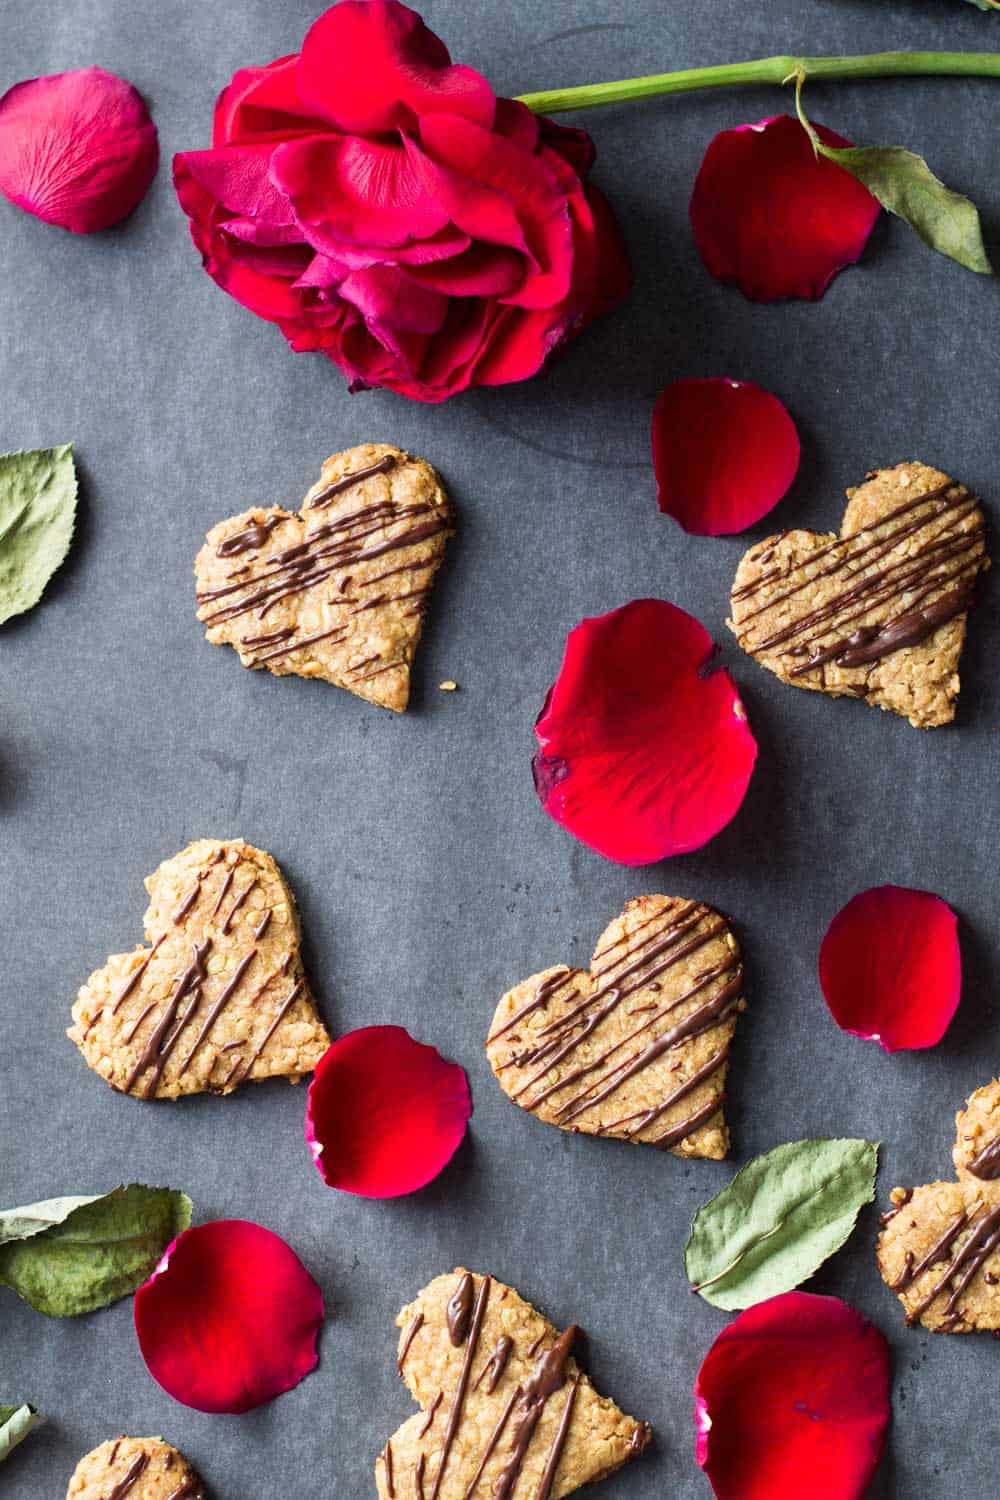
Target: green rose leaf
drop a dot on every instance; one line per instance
(905, 185)
(72, 1255)
(778, 1220)
(986, 4)
(37, 511)
(15, 1424)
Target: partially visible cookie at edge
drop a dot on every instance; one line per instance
(338, 590)
(505, 1409)
(129, 1468)
(878, 612)
(939, 1249)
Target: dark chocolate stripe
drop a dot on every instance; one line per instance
(986, 1165)
(548, 1377)
(238, 903)
(348, 481)
(544, 991)
(650, 1116)
(189, 1487)
(130, 1477)
(293, 646)
(748, 590)
(492, 1440)
(431, 1413)
(223, 893)
(155, 1052)
(251, 539)
(387, 1461)
(978, 1247)
(494, 1367)
(134, 977)
(218, 1008)
(414, 1328)
(684, 1128)
(282, 1012)
(702, 1019)
(459, 1311)
(558, 1444)
(458, 1401)
(937, 1252)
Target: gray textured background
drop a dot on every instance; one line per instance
(428, 877)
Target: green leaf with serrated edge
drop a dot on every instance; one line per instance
(986, 4)
(101, 1250)
(905, 185)
(37, 511)
(15, 1424)
(778, 1220)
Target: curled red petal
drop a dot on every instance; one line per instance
(890, 967)
(370, 66)
(772, 216)
(76, 149)
(385, 1113)
(724, 452)
(793, 1399)
(230, 1318)
(642, 751)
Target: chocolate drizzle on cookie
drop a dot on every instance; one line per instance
(331, 491)
(971, 1257)
(459, 1311)
(251, 539)
(916, 566)
(548, 1377)
(492, 1371)
(414, 1328)
(986, 1166)
(631, 963)
(131, 1477)
(458, 1400)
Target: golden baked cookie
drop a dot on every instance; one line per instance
(939, 1249)
(504, 1406)
(338, 590)
(637, 1048)
(130, 1468)
(879, 612)
(219, 996)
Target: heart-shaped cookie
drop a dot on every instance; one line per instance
(218, 997)
(939, 1249)
(338, 590)
(637, 1048)
(504, 1407)
(878, 612)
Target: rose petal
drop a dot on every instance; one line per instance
(793, 1399)
(230, 1318)
(724, 452)
(642, 753)
(890, 967)
(76, 149)
(369, 66)
(385, 1113)
(772, 216)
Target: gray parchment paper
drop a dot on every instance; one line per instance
(428, 877)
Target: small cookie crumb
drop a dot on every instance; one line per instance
(448, 686)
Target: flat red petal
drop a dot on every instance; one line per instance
(76, 149)
(774, 218)
(385, 1113)
(793, 1400)
(642, 752)
(724, 452)
(370, 66)
(230, 1317)
(890, 967)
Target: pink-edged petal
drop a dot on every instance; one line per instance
(386, 296)
(76, 149)
(792, 1400)
(724, 452)
(772, 216)
(385, 1113)
(370, 66)
(891, 969)
(344, 188)
(642, 752)
(230, 1318)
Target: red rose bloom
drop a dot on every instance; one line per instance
(385, 208)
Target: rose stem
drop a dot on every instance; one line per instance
(776, 70)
